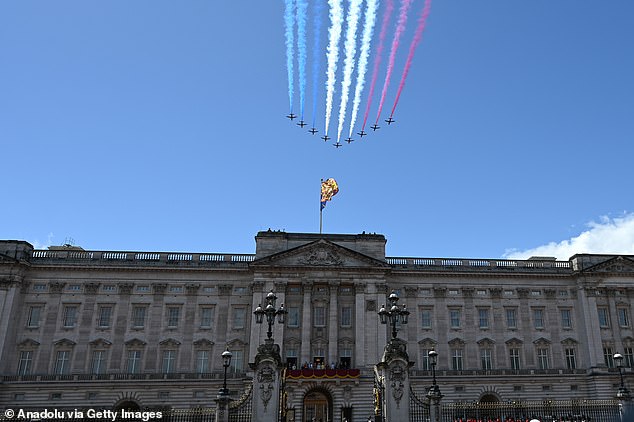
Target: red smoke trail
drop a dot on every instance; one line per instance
(400, 28)
(389, 7)
(418, 36)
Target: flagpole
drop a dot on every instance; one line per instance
(321, 209)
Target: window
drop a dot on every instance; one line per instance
(511, 318)
(25, 363)
(105, 314)
(293, 316)
(39, 287)
(319, 316)
(425, 315)
(345, 357)
(134, 361)
(566, 318)
(485, 359)
(143, 288)
(108, 288)
(237, 361)
(138, 316)
(33, 320)
(173, 315)
(454, 317)
(624, 318)
(608, 356)
(628, 354)
(456, 359)
(483, 315)
(62, 362)
(424, 360)
(206, 317)
(514, 356)
(571, 362)
(169, 361)
(604, 319)
(202, 361)
(538, 318)
(346, 316)
(542, 358)
(98, 362)
(70, 316)
(74, 288)
(239, 318)
(176, 289)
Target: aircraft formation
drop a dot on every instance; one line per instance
(348, 52)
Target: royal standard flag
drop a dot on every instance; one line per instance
(329, 188)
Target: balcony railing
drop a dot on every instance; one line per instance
(119, 377)
(323, 373)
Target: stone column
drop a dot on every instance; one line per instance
(267, 382)
(305, 353)
(333, 325)
(393, 373)
(222, 407)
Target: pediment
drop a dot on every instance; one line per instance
(514, 342)
(203, 342)
(569, 341)
(135, 342)
(7, 259)
(427, 342)
(616, 265)
(29, 342)
(542, 341)
(170, 342)
(321, 253)
(64, 343)
(100, 342)
(485, 342)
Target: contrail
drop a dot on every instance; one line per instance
(418, 36)
(389, 8)
(350, 46)
(368, 29)
(316, 55)
(289, 23)
(332, 55)
(400, 27)
(302, 5)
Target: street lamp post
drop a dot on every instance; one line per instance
(396, 313)
(433, 393)
(270, 312)
(623, 393)
(226, 361)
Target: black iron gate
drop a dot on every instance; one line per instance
(418, 407)
(241, 409)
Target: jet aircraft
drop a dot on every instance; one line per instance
(362, 134)
(301, 123)
(337, 144)
(313, 131)
(349, 140)
(325, 137)
(375, 127)
(291, 116)
(389, 120)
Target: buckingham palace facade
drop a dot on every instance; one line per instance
(147, 329)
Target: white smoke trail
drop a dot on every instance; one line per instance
(302, 5)
(366, 41)
(289, 23)
(332, 54)
(350, 46)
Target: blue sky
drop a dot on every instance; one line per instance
(159, 126)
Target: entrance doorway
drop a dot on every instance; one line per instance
(317, 407)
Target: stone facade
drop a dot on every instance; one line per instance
(147, 329)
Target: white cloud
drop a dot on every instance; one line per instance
(42, 245)
(608, 236)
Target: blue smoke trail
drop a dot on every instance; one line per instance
(302, 5)
(316, 55)
(289, 23)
